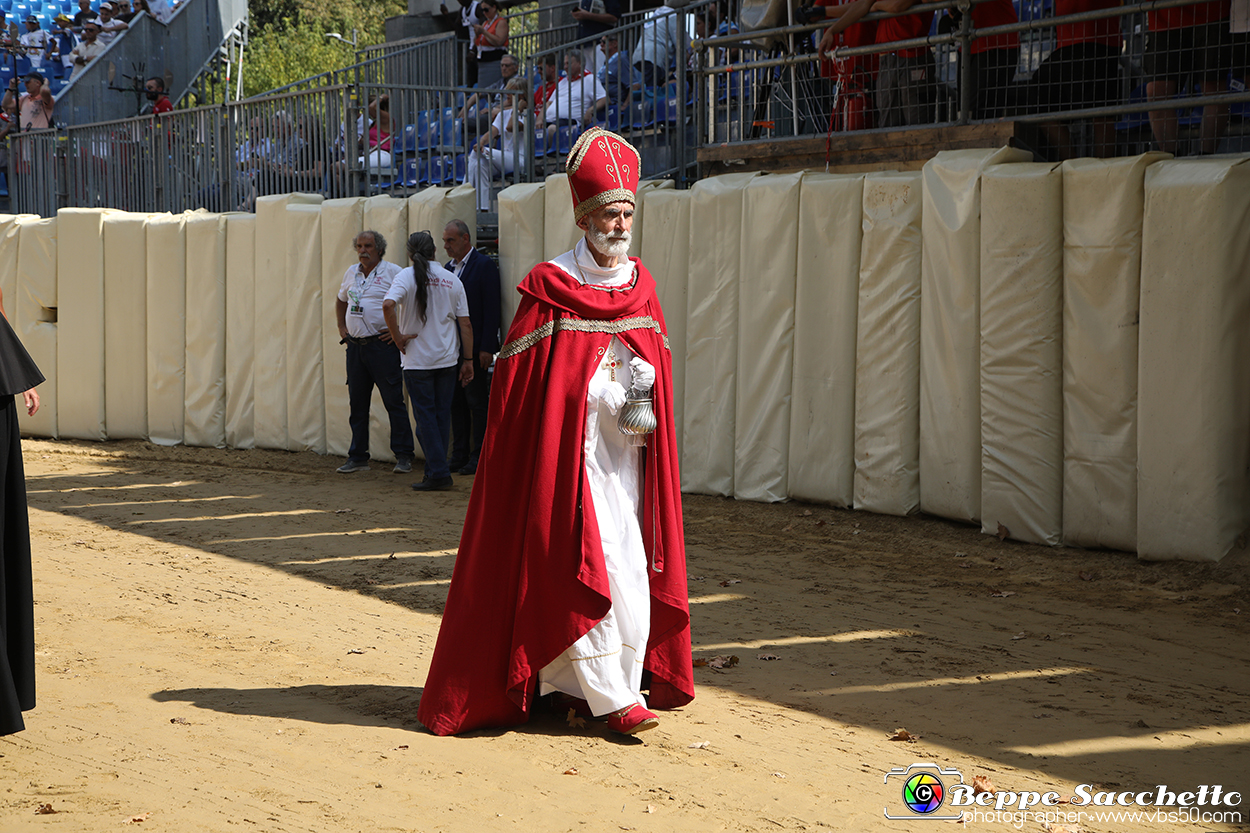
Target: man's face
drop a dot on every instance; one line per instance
(106, 13)
(609, 46)
(608, 228)
(550, 73)
(508, 67)
(455, 243)
(84, 5)
(367, 251)
(572, 65)
(33, 86)
(153, 91)
(31, 25)
(89, 32)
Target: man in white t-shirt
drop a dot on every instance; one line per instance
(423, 308)
(577, 98)
(372, 357)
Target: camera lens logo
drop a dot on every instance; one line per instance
(923, 790)
(922, 793)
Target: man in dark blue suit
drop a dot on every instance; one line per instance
(480, 277)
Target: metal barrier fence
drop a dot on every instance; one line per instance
(220, 158)
(1089, 80)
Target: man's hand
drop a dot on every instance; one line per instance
(611, 394)
(643, 374)
(343, 332)
(826, 42)
(466, 372)
(31, 399)
(580, 14)
(398, 339)
(385, 337)
(485, 360)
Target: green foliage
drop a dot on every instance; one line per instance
(287, 41)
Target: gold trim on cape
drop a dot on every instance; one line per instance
(581, 325)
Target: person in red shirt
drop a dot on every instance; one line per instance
(1081, 72)
(854, 76)
(1188, 45)
(154, 89)
(994, 59)
(905, 87)
(551, 80)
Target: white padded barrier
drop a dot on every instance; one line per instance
(712, 334)
(645, 187)
(521, 224)
(240, 330)
(270, 390)
(826, 303)
(887, 356)
(167, 332)
(665, 255)
(80, 369)
(1102, 225)
(1022, 352)
(950, 336)
(305, 376)
(389, 217)
(431, 209)
(125, 325)
(560, 232)
(205, 400)
(34, 315)
(9, 234)
(1193, 435)
(766, 287)
(341, 221)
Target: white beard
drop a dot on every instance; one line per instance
(607, 244)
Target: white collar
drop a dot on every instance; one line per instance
(590, 272)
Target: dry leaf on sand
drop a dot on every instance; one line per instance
(571, 771)
(902, 734)
(768, 657)
(45, 810)
(137, 819)
(723, 661)
(730, 581)
(703, 744)
(1054, 827)
(575, 721)
(1002, 594)
(1003, 532)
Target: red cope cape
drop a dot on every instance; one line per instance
(530, 577)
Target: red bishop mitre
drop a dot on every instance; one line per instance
(603, 168)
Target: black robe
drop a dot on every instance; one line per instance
(18, 374)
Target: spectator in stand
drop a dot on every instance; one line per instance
(34, 107)
(124, 13)
(594, 17)
(374, 146)
(1081, 72)
(853, 75)
(480, 109)
(994, 59)
(577, 98)
(616, 75)
(654, 53)
(83, 14)
(466, 18)
(154, 89)
(905, 89)
(35, 42)
(62, 30)
(110, 26)
(485, 161)
(1190, 46)
(490, 43)
(88, 49)
(550, 80)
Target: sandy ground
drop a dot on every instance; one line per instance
(236, 640)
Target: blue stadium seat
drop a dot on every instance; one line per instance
(460, 166)
(427, 129)
(566, 135)
(412, 173)
(408, 139)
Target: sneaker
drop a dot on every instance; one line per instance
(468, 468)
(442, 484)
(632, 720)
(402, 467)
(353, 465)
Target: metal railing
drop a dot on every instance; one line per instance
(219, 157)
(1085, 79)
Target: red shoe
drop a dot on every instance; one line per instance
(632, 720)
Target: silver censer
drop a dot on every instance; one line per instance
(637, 416)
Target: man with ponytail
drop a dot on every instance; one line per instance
(423, 308)
(570, 580)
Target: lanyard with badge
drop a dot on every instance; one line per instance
(356, 293)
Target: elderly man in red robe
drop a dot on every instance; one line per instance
(571, 574)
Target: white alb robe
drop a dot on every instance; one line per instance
(604, 667)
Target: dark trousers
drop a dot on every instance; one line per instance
(376, 363)
(469, 405)
(430, 392)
